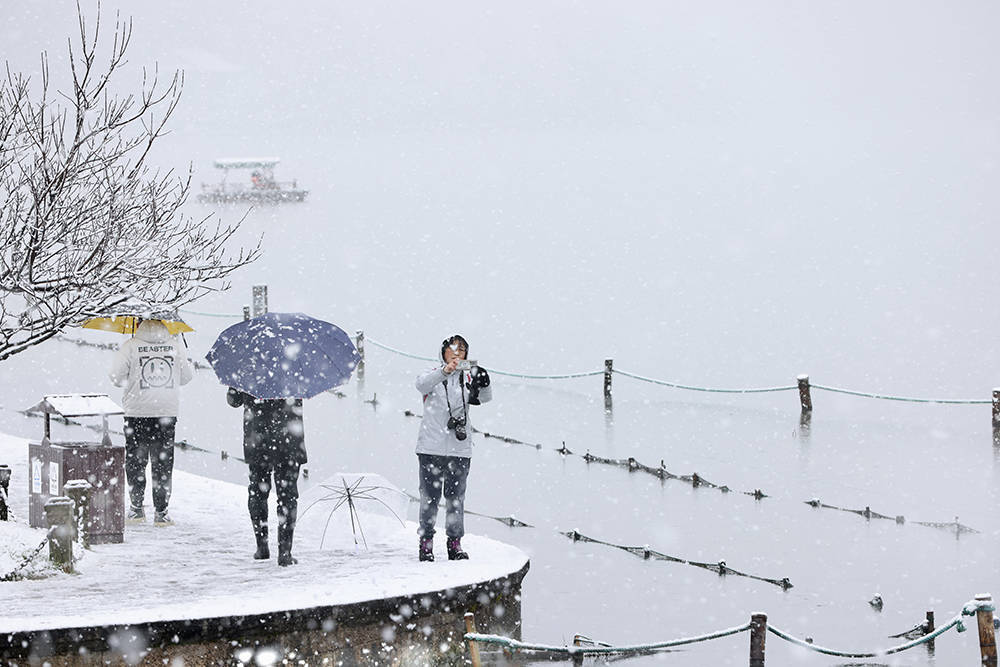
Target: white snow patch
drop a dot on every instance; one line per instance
(202, 566)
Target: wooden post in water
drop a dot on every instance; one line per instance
(360, 344)
(259, 300)
(470, 626)
(996, 408)
(987, 638)
(609, 367)
(805, 399)
(929, 626)
(758, 632)
(246, 313)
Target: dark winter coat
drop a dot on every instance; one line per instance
(272, 428)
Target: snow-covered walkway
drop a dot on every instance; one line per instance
(201, 567)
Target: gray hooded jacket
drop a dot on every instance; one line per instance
(435, 437)
(152, 366)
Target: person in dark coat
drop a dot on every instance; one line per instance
(273, 444)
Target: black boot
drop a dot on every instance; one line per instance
(455, 549)
(285, 531)
(426, 552)
(260, 534)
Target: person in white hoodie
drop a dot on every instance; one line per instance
(152, 366)
(444, 445)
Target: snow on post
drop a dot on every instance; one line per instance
(758, 632)
(259, 300)
(987, 639)
(609, 367)
(805, 399)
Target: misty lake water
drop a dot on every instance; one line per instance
(564, 187)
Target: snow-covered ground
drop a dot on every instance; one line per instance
(201, 566)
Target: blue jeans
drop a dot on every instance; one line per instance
(442, 474)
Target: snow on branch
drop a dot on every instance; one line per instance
(85, 223)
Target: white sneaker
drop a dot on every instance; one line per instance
(162, 519)
(135, 515)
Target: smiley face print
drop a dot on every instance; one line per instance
(156, 372)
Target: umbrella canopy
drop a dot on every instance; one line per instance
(283, 355)
(334, 509)
(126, 317)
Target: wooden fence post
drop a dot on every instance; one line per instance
(987, 639)
(929, 627)
(805, 399)
(4, 490)
(59, 516)
(470, 626)
(246, 313)
(609, 367)
(758, 632)
(360, 344)
(259, 300)
(996, 408)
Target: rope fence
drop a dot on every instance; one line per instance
(803, 385)
(697, 481)
(646, 553)
(981, 607)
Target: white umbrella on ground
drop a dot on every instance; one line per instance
(343, 500)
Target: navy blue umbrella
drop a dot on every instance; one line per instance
(283, 355)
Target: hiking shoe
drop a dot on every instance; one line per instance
(135, 515)
(162, 519)
(426, 552)
(455, 549)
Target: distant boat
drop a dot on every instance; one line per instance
(260, 188)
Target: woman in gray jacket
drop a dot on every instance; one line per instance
(444, 445)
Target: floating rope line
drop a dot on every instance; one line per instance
(628, 374)
(630, 463)
(562, 376)
(697, 481)
(508, 644)
(646, 553)
(887, 397)
(675, 385)
(634, 649)
(867, 513)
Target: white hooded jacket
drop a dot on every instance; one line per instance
(152, 366)
(435, 437)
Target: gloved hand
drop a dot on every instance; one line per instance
(481, 378)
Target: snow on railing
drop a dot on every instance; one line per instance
(981, 607)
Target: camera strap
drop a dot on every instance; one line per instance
(461, 383)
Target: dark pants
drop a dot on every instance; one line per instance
(285, 473)
(442, 474)
(149, 440)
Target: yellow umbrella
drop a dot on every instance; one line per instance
(127, 324)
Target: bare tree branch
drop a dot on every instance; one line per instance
(85, 224)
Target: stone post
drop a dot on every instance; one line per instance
(59, 515)
(78, 490)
